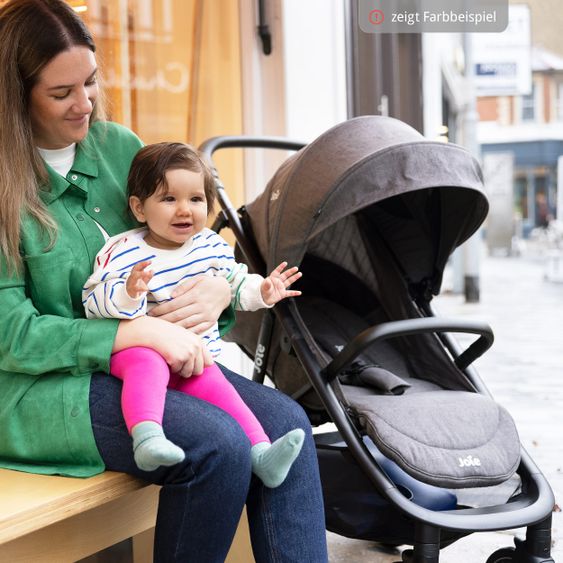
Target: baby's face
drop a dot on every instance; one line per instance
(174, 216)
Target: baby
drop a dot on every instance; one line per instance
(170, 191)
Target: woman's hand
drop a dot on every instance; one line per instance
(196, 304)
(183, 350)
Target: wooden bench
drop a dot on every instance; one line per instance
(48, 519)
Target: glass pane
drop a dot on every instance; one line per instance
(528, 105)
(171, 71)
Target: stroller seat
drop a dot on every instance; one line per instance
(453, 439)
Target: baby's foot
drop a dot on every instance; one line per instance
(151, 449)
(272, 462)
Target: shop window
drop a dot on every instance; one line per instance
(559, 102)
(171, 71)
(529, 105)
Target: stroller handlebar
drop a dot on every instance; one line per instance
(213, 144)
(407, 327)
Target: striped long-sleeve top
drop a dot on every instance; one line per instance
(207, 253)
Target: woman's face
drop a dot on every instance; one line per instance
(61, 102)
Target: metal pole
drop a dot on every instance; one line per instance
(472, 248)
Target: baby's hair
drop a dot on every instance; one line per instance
(150, 165)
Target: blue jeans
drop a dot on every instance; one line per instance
(202, 498)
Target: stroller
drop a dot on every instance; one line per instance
(422, 455)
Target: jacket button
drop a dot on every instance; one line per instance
(75, 411)
(80, 217)
(97, 209)
(74, 177)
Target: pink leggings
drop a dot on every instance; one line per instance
(146, 376)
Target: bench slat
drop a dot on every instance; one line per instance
(88, 532)
(32, 501)
(52, 519)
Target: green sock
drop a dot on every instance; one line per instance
(272, 462)
(151, 448)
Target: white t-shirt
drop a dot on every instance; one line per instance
(60, 160)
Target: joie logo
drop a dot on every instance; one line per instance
(259, 358)
(469, 461)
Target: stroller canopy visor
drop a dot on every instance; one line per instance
(434, 194)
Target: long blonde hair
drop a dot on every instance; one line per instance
(32, 33)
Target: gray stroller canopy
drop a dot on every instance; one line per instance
(361, 162)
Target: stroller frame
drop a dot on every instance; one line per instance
(531, 508)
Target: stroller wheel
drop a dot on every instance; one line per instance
(504, 555)
(509, 555)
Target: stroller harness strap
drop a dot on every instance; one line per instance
(373, 375)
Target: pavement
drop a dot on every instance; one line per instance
(524, 372)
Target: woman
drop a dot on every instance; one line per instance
(62, 187)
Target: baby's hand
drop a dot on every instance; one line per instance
(137, 282)
(274, 287)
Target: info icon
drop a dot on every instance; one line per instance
(376, 17)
